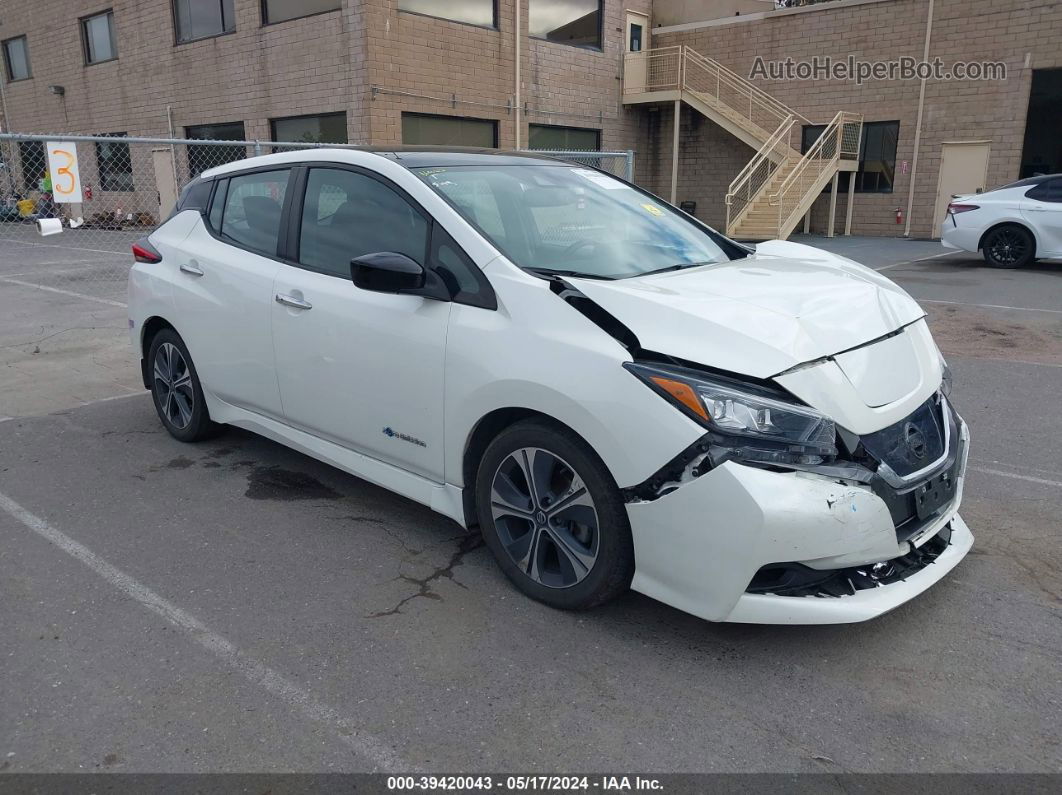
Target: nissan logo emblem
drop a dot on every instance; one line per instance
(914, 440)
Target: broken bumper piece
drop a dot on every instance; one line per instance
(707, 547)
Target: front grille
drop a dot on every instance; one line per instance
(914, 442)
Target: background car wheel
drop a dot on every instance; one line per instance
(176, 390)
(552, 515)
(1009, 247)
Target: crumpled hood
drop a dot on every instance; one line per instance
(782, 306)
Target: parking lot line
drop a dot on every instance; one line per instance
(71, 293)
(913, 261)
(1028, 478)
(68, 248)
(989, 306)
(372, 749)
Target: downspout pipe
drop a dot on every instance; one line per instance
(918, 124)
(516, 69)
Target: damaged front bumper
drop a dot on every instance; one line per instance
(709, 546)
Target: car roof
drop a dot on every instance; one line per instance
(411, 157)
(1024, 183)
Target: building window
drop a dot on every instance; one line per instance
(424, 129)
(574, 22)
(283, 10)
(329, 128)
(200, 19)
(201, 157)
(877, 155)
(551, 136)
(97, 37)
(474, 12)
(115, 164)
(16, 58)
(34, 164)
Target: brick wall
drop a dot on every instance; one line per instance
(990, 30)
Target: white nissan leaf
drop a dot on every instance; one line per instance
(616, 395)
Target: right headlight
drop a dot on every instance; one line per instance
(746, 422)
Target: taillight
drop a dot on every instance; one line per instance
(143, 251)
(955, 209)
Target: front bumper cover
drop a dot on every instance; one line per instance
(698, 547)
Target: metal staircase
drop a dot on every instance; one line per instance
(777, 187)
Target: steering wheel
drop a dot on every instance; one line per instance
(580, 244)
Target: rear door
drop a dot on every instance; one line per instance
(1042, 207)
(224, 289)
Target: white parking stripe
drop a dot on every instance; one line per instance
(71, 293)
(913, 261)
(372, 749)
(990, 306)
(1029, 478)
(68, 248)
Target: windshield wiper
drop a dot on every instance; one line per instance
(680, 266)
(577, 274)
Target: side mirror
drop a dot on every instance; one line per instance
(391, 272)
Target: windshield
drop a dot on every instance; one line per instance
(574, 221)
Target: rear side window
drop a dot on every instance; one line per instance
(1047, 191)
(346, 214)
(252, 210)
(194, 196)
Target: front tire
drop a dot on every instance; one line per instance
(1009, 246)
(176, 390)
(553, 517)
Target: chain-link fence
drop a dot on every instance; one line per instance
(105, 192)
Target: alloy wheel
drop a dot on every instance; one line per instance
(173, 385)
(545, 517)
(1007, 246)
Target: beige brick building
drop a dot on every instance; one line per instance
(472, 71)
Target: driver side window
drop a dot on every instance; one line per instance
(346, 214)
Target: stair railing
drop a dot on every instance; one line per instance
(839, 140)
(757, 174)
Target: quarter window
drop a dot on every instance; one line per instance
(16, 58)
(474, 12)
(115, 164)
(347, 214)
(200, 19)
(574, 22)
(283, 10)
(1047, 191)
(252, 211)
(97, 35)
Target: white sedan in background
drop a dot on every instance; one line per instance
(1012, 226)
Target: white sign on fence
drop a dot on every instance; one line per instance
(62, 168)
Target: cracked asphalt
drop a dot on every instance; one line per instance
(236, 606)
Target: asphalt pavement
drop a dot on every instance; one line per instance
(236, 606)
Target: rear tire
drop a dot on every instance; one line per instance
(176, 391)
(1009, 246)
(553, 517)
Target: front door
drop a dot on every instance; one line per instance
(361, 369)
(963, 169)
(635, 70)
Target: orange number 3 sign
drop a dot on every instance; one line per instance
(63, 169)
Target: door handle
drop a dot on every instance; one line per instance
(292, 301)
(190, 269)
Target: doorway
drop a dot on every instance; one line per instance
(963, 169)
(635, 71)
(1041, 152)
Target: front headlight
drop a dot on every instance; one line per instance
(746, 422)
